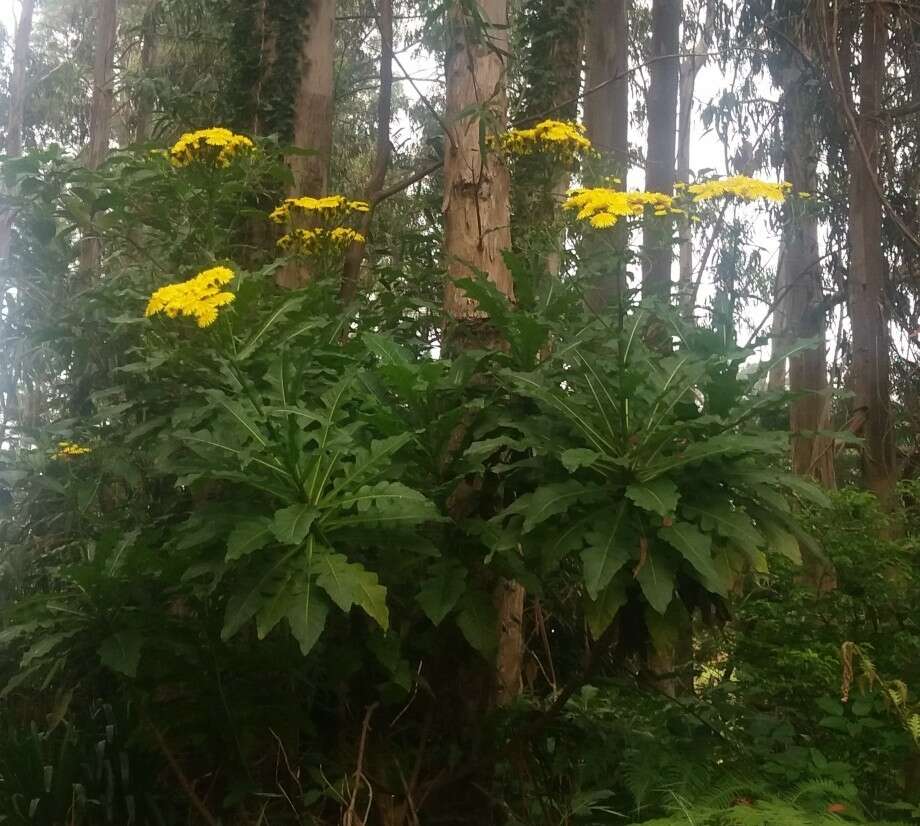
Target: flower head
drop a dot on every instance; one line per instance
(216, 145)
(70, 450)
(327, 208)
(305, 241)
(199, 297)
(740, 186)
(602, 207)
(564, 140)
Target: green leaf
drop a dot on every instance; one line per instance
(607, 551)
(599, 613)
(656, 578)
(441, 591)
(732, 523)
(478, 621)
(665, 629)
(253, 342)
(350, 583)
(577, 457)
(122, 652)
(658, 496)
(243, 605)
(782, 542)
(276, 604)
(696, 547)
(307, 619)
(387, 350)
(248, 536)
(551, 500)
(383, 503)
(291, 525)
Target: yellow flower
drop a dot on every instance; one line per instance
(602, 207)
(327, 207)
(563, 139)
(740, 186)
(305, 241)
(199, 297)
(70, 450)
(216, 145)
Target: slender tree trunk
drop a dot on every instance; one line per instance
(313, 111)
(664, 74)
(17, 107)
(313, 108)
(606, 111)
(100, 121)
(779, 337)
(689, 68)
(868, 303)
(606, 114)
(382, 153)
(477, 215)
(803, 296)
(555, 33)
(145, 101)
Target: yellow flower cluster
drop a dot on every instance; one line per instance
(328, 207)
(740, 186)
(216, 145)
(199, 297)
(602, 207)
(313, 240)
(70, 450)
(563, 139)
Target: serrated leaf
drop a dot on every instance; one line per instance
(696, 547)
(441, 591)
(276, 604)
(658, 496)
(656, 578)
(243, 605)
(384, 504)
(601, 612)
(122, 652)
(607, 551)
(578, 457)
(387, 350)
(551, 500)
(291, 525)
(350, 583)
(248, 536)
(732, 523)
(307, 619)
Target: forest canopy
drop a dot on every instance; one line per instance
(478, 411)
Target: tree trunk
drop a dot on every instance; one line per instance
(606, 113)
(868, 303)
(314, 104)
(477, 216)
(17, 107)
(554, 32)
(145, 101)
(664, 75)
(606, 110)
(689, 68)
(100, 120)
(313, 110)
(476, 189)
(803, 295)
(382, 153)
